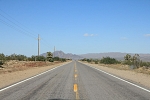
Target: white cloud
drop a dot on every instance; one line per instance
(124, 38)
(86, 34)
(91, 34)
(147, 35)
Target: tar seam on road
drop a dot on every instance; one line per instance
(120, 79)
(29, 78)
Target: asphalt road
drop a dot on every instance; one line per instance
(74, 81)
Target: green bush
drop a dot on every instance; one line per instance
(63, 59)
(51, 60)
(1, 63)
(108, 60)
(127, 62)
(56, 59)
(40, 58)
(146, 64)
(96, 62)
(89, 60)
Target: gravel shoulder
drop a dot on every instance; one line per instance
(13, 77)
(140, 78)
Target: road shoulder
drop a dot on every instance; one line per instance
(13, 77)
(140, 78)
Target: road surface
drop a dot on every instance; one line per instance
(74, 81)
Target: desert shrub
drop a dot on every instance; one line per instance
(63, 59)
(108, 60)
(51, 60)
(56, 59)
(146, 64)
(96, 62)
(89, 60)
(84, 59)
(41, 58)
(127, 62)
(132, 60)
(1, 63)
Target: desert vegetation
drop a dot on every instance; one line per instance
(129, 62)
(49, 57)
(14, 62)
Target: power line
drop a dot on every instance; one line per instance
(17, 25)
(19, 28)
(4, 22)
(17, 22)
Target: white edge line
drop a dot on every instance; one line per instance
(30, 78)
(120, 79)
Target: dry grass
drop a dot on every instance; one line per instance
(143, 70)
(116, 66)
(14, 65)
(126, 67)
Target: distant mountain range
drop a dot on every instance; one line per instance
(116, 55)
(61, 54)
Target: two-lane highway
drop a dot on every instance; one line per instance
(74, 81)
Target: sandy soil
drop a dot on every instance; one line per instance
(131, 75)
(13, 77)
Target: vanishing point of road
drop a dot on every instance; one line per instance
(74, 81)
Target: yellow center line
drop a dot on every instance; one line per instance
(75, 88)
(75, 85)
(75, 75)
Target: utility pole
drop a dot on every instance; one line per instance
(38, 45)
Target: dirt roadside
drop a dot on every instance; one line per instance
(13, 77)
(143, 79)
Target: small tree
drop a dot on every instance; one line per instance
(2, 56)
(49, 56)
(128, 59)
(96, 61)
(136, 60)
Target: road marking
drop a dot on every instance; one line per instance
(76, 91)
(75, 88)
(75, 67)
(29, 78)
(120, 79)
(77, 96)
(75, 85)
(75, 75)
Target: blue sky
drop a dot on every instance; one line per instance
(74, 26)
